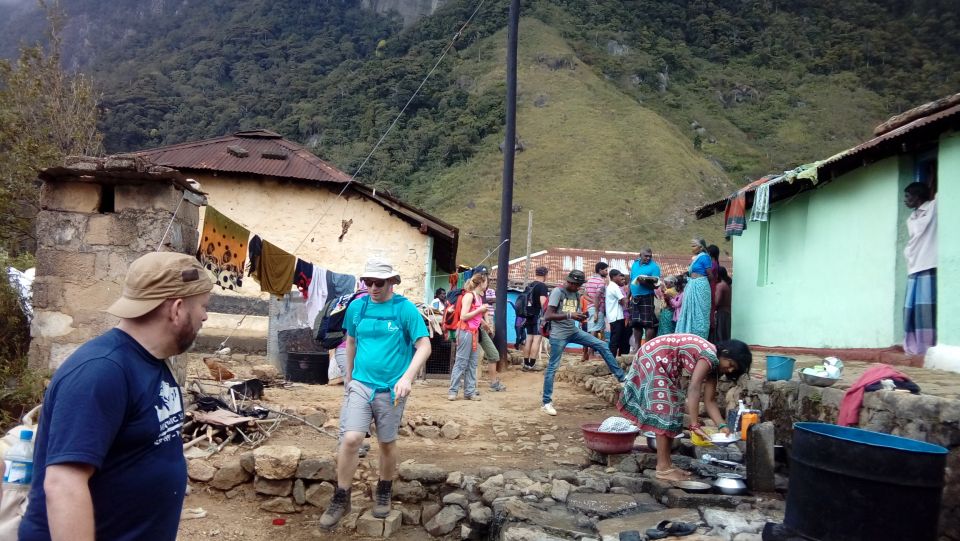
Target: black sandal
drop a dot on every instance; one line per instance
(668, 528)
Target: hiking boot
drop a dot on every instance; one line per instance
(381, 504)
(475, 397)
(548, 409)
(339, 506)
(525, 367)
(452, 396)
(497, 387)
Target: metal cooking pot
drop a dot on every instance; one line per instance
(731, 484)
(652, 441)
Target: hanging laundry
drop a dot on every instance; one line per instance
(761, 204)
(734, 217)
(274, 270)
(253, 253)
(223, 245)
(316, 294)
(452, 279)
(302, 277)
(340, 284)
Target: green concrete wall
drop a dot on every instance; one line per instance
(823, 271)
(948, 225)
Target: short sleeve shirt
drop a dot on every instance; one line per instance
(614, 308)
(702, 264)
(639, 269)
(565, 302)
(593, 286)
(113, 406)
(538, 290)
(385, 337)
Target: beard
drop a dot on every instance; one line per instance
(186, 335)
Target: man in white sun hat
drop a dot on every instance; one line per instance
(387, 344)
(108, 459)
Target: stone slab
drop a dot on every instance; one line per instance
(644, 521)
(603, 505)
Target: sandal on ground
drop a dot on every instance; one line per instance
(670, 528)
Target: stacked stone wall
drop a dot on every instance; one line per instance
(924, 417)
(83, 255)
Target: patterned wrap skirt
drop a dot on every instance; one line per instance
(655, 391)
(695, 312)
(920, 312)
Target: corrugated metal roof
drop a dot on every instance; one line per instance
(890, 137)
(215, 155)
(878, 147)
(561, 261)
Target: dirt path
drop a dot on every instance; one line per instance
(505, 429)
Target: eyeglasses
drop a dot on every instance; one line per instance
(370, 282)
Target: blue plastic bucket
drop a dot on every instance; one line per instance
(779, 367)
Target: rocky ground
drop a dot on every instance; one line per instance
(495, 468)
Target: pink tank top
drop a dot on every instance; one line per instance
(473, 323)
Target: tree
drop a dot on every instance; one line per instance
(46, 114)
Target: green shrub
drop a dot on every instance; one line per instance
(20, 387)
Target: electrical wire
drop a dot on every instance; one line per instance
(376, 146)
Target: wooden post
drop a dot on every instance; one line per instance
(526, 268)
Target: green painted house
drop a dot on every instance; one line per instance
(826, 270)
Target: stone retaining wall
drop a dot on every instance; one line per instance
(923, 417)
(570, 502)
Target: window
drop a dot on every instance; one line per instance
(107, 199)
(567, 263)
(579, 263)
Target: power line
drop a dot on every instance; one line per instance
(353, 177)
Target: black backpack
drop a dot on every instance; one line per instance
(524, 303)
(328, 327)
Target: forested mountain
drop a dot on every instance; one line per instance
(634, 110)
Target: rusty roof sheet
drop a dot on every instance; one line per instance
(267, 153)
(561, 261)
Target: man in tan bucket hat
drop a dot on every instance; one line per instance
(108, 459)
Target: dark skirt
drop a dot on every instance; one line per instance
(643, 312)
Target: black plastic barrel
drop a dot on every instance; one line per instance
(848, 484)
(308, 367)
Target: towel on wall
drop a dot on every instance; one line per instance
(734, 217)
(853, 399)
(223, 246)
(274, 270)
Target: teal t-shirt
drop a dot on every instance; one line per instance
(385, 339)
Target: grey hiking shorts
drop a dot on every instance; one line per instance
(358, 410)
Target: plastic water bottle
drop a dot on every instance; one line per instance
(18, 461)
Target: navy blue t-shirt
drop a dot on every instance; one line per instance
(116, 407)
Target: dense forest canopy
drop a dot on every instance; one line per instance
(754, 85)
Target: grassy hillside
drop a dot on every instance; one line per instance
(598, 170)
(633, 112)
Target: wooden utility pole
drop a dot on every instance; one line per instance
(506, 202)
(526, 269)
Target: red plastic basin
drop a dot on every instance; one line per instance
(608, 443)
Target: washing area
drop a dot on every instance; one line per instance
(894, 475)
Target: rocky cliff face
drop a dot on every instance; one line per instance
(409, 10)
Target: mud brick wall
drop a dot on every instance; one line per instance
(87, 236)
